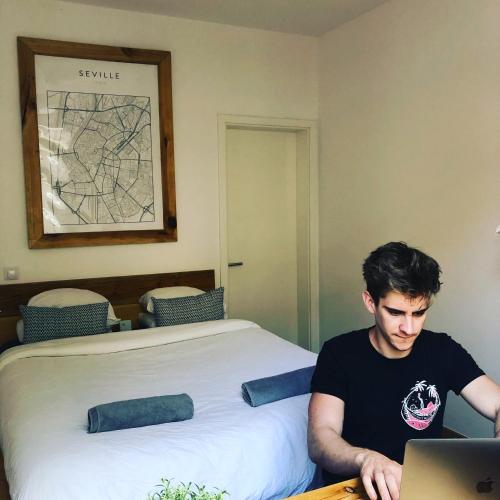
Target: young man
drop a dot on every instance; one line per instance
(376, 388)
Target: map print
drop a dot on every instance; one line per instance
(100, 159)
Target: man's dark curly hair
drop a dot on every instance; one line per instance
(397, 267)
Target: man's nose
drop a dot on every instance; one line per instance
(408, 325)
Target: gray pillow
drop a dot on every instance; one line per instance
(177, 311)
(48, 323)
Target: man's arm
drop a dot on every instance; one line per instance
(483, 394)
(330, 451)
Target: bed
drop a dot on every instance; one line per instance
(47, 388)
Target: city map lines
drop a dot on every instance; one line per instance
(100, 159)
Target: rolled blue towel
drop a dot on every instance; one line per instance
(286, 385)
(140, 412)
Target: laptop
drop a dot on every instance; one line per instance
(451, 469)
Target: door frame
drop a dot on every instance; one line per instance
(310, 127)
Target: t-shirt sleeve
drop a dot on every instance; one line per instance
(462, 367)
(329, 376)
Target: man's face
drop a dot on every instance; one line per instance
(399, 319)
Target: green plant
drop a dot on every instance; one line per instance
(183, 491)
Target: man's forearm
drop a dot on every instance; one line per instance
(336, 455)
(330, 451)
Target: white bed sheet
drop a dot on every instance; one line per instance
(253, 453)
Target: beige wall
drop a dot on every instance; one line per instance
(216, 69)
(409, 98)
(410, 150)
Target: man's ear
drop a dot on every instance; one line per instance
(369, 302)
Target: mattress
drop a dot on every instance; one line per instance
(46, 390)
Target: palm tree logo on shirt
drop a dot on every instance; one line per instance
(421, 405)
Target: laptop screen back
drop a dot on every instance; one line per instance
(458, 469)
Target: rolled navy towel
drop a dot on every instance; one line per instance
(140, 412)
(286, 385)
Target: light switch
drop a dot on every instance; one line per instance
(11, 273)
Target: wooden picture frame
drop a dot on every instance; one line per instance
(131, 217)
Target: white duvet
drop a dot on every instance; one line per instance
(253, 453)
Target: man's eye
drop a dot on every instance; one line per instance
(419, 313)
(394, 313)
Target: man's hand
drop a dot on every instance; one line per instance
(375, 468)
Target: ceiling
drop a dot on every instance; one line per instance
(306, 17)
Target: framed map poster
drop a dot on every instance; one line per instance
(97, 143)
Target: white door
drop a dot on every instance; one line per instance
(262, 224)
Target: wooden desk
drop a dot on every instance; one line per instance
(347, 490)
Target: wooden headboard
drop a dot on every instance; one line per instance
(123, 293)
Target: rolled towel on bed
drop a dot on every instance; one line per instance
(286, 385)
(140, 412)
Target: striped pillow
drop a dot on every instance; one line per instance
(177, 311)
(48, 323)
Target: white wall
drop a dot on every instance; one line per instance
(410, 150)
(215, 68)
(409, 97)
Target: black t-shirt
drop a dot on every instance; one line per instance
(389, 401)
